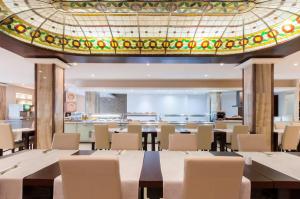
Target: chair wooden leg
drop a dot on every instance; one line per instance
(1, 152)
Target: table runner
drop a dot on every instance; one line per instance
(172, 167)
(29, 162)
(131, 163)
(280, 161)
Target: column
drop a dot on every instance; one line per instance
(258, 86)
(49, 103)
(2, 102)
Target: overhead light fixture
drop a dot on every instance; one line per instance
(148, 64)
(221, 64)
(74, 64)
(296, 64)
(206, 75)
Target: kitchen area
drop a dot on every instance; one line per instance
(150, 107)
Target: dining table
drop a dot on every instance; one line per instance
(37, 174)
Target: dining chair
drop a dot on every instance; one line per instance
(252, 143)
(7, 141)
(290, 138)
(102, 136)
(205, 137)
(137, 129)
(238, 129)
(66, 141)
(220, 125)
(191, 125)
(182, 142)
(212, 177)
(163, 136)
(112, 125)
(91, 177)
(279, 125)
(125, 141)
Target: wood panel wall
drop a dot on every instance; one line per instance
(258, 99)
(2, 102)
(49, 102)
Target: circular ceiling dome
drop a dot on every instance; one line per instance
(151, 27)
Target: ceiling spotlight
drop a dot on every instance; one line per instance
(296, 64)
(148, 64)
(221, 64)
(74, 64)
(206, 75)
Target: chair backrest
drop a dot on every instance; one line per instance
(205, 137)
(252, 143)
(137, 129)
(191, 125)
(182, 142)
(212, 177)
(238, 129)
(279, 125)
(6, 136)
(220, 125)
(163, 136)
(290, 139)
(90, 177)
(66, 141)
(112, 125)
(125, 141)
(101, 136)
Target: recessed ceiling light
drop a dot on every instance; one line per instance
(74, 64)
(93, 75)
(296, 64)
(148, 64)
(221, 64)
(206, 75)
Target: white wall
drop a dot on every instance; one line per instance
(287, 103)
(167, 104)
(228, 99)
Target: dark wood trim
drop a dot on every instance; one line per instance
(254, 98)
(30, 51)
(35, 104)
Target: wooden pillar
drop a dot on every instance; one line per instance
(258, 87)
(2, 102)
(49, 103)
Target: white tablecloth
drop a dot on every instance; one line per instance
(131, 163)
(280, 161)
(29, 162)
(172, 167)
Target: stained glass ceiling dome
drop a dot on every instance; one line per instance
(151, 26)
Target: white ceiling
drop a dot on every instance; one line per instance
(20, 71)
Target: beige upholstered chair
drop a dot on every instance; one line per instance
(191, 125)
(90, 177)
(102, 137)
(66, 141)
(112, 125)
(290, 139)
(220, 125)
(279, 125)
(7, 141)
(137, 129)
(205, 137)
(238, 129)
(163, 136)
(125, 141)
(182, 142)
(212, 177)
(252, 143)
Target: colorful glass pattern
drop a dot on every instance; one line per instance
(151, 27)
